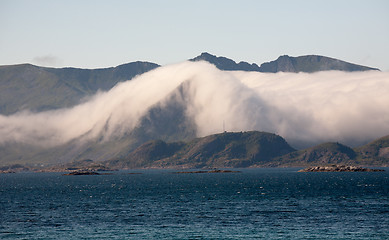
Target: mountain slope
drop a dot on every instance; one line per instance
(167, 120)
(29, 87)
(228, 149)
(375, 152)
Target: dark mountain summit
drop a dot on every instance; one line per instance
(224, 63)
(309, 63)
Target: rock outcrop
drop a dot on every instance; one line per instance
(339, 168)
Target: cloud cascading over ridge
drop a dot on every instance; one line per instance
(302, 107)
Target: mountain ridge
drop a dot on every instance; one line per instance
(284, 63)
(35, 88)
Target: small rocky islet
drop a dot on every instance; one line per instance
(81, 172)
(339, 168)
(209, 171)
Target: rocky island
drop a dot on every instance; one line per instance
(339, 168)
(82, 172)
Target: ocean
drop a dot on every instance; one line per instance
(277, 203)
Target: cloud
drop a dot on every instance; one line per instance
(351, 108)
(47, 60)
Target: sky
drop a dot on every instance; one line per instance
(99, 34)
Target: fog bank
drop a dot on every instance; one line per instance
(351, 108)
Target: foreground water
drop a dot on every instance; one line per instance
(252, 204)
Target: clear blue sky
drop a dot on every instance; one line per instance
(91, 34)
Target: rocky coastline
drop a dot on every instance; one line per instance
(339, 168)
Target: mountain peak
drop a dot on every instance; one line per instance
(224, 63)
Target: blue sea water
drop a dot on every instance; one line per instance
(158, 204)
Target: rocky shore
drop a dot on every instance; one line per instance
(339, 168)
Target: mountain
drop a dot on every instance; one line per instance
(29, 87)
(309, 63)
(229, 149)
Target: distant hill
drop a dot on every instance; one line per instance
(326, 153)
(375, 153)
(241, 149)
(36, 88)
(309, 63)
